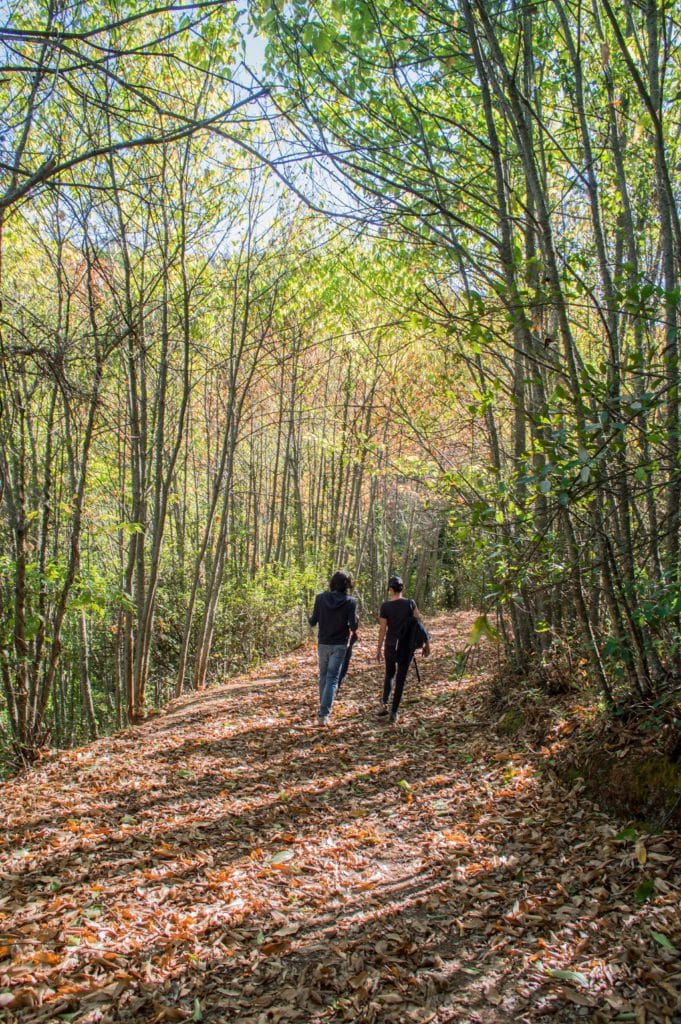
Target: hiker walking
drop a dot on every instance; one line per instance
(394, 616)
(336, 613)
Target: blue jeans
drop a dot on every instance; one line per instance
(330, 662)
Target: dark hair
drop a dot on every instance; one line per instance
(395, 583)
(341, 581)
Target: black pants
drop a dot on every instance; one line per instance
(398, 669)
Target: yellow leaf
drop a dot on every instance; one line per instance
(46, 957)
(641, 852)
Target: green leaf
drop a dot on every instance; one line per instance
(281, 857)
(576, 976)
(197, 1015)
(644, 891)
(324, 42)
(130, 528)
(482, 627)
(627, 833)
(663, 941)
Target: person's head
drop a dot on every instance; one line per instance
(395, 584)
(341, 581)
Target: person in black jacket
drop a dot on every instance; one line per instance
(336, 614)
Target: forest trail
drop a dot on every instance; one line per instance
(228, 861)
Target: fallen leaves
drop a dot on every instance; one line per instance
(223, 862)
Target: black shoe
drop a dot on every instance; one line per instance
(393, 718)
(383, 712)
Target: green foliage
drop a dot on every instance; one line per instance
(480, 387)
(645, 891)
(482, 627)
(263, 616)
(543, 287)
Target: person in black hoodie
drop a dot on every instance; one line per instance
(336, 614)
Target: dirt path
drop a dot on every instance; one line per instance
(230, 862)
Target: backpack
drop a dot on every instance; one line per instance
(412, 636)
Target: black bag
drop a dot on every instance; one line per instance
(412, 637)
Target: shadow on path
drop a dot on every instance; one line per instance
(228, 861)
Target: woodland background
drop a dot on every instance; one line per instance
(393, 287)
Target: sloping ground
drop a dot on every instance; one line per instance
(230, 862)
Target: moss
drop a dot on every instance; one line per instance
(511, 722)
(647, 788)
(660, 776)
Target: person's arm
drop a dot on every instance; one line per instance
(382, 627)
(353, 621)
(314, 618)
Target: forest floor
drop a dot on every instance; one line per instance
(229, 861)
